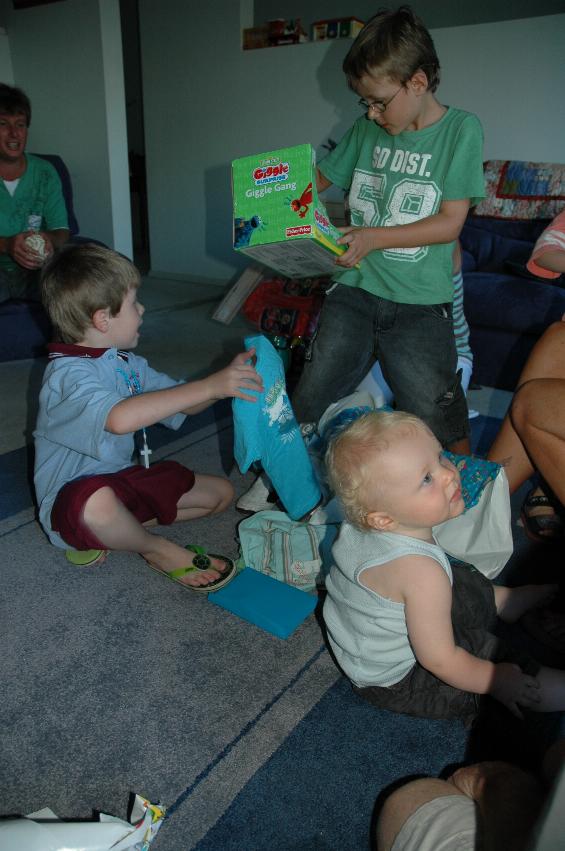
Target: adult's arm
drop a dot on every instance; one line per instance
(15, 246)
(58, 237)
(553, 261)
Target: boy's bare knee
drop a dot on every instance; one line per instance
(226, 495)
(100, 507)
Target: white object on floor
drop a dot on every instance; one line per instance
(375, 384)
(44, 831)
(466, 367)
(257, 497)
(236, 296)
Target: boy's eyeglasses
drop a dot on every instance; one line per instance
(378, 105)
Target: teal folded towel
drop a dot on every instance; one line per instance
(265, 602)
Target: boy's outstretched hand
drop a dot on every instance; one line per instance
(513, 688)
(236, 378)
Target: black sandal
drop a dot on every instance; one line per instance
(541, 527)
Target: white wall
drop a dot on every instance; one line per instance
(6, 71)
(67, 58)
(211, 102)
(512, 75)
(435, 13)
(207, 102)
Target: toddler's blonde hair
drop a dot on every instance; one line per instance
(349, 455)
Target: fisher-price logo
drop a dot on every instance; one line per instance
(270, 173)
(300, 230)
(322, 222)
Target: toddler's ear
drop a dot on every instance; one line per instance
(380, 521)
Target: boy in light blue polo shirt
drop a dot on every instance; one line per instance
(95, 395)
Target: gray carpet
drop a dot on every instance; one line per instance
(116, 680)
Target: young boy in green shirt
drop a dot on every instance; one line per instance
(412, 168)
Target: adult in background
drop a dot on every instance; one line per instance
(33, 215)
(532, 436)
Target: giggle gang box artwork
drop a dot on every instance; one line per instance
(278, 218)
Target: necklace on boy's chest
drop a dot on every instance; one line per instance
(134, 387)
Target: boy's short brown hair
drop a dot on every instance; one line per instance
(81, 279)
(350, 451)
(394, 44)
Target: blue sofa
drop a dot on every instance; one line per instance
(506, 307)
(24, 326)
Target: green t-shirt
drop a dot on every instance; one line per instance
(38, 193)
(395, 180)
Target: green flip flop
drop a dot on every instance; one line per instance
(201, 561)
(86, 558)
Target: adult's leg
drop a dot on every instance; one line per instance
(538, 418)
(19, 283)
(342, 354)
(546, 360)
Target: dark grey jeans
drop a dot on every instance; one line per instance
(414, 344)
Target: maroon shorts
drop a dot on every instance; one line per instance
(149, 494)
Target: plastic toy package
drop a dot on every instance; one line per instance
(44, 831)
(278, 218)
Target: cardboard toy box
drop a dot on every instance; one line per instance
(279, 220)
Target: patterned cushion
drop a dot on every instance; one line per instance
(522, 190)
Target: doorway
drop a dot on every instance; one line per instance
(131, 47)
